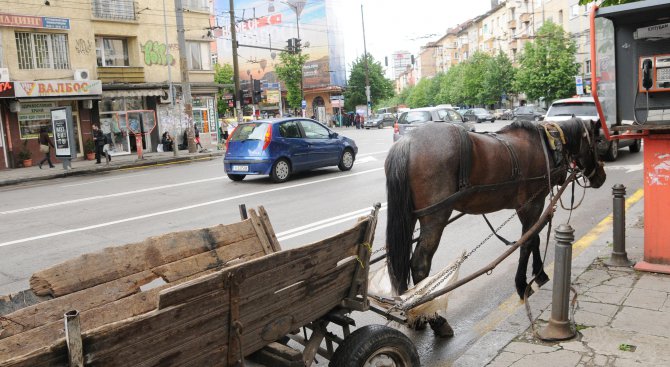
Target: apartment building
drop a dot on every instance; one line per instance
(111, 61)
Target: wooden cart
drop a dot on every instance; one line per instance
(209, 297)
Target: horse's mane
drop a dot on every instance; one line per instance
(572, 129)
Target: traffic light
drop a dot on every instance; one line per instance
(290, 48)
(256, 97)
(297, 45)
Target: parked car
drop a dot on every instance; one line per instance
(417, 117)
(380, 121)
(281, 147)
(529, 113)
(507, 114)
(585, 109)
(478, 115)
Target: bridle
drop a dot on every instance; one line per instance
(590, 140)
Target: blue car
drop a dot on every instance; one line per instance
(281, 147)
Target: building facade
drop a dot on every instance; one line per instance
(111, 62)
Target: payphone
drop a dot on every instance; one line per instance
(630, 64)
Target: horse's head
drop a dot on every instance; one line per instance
(584, 152)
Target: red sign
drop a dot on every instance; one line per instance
(20, 21)
(6, 90)
(261, 22)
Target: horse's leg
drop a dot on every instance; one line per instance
(432, 227)
(528, 216)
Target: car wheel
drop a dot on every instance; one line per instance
(281, 170)
(613, 151)
(636, 146)
(380, 126)
(493, 120)
(236, 177)
(347, 160)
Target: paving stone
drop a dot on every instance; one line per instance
(642, 321)
(606, 294)
(654, 282)
(650, 350)
(600, 360)
(528, 348)
(666, 305)
(505, 359)
(593, 277)
(620, 279)
(645, 298)
(623, 362)
(574, 346)
(485, 349)
(559, 358)
(594, 314)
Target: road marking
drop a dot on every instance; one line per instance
(107, 179)
(373, 153)
(325, 223)
(367, 159)
(188, 207)
(627, 167)
(511, 304)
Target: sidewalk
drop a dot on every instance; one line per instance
(622, 316)
(83, 167)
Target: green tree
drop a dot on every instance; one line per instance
(608, 2)
(451, 86)
(289, 71)
(381, 88)
(498, 79)
(547, 65)
(419, 95)
(223, 74)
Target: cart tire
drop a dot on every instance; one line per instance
(373, 345)
(636, 146)
(612, 151)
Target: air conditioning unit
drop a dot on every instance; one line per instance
(166, 98)
(81, 74)
(15, 106)
(4, 74)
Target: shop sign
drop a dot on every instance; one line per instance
(34, 116)
(272, 96)
(56, 88)
(6, 90)
(27, 21)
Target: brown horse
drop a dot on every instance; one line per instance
(438, 168)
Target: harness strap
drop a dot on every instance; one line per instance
(465, 166)
(516, 171)
(501, 238)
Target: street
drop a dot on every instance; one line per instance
(45, 223)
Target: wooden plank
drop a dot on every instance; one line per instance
(329, 251)
(49, 356)
(265, 220)
(115, 262)
(217, 259)
(260, 232)
(53, 310)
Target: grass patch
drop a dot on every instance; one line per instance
(580, 327)
(627, 347)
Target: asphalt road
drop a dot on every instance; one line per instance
(48, 222)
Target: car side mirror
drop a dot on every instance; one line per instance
(465, 119)
(334, 135)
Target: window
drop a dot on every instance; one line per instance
(587, 67)
(454, 116)
(198, 56)
(111, 51)
(289, 130)
(42, 50)
(114, 9)
(314, 130)
(560, 17)
(195, 5)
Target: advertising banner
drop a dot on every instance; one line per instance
(61, 120)
(266, 23)
(273, 96)
(27, 21)
(51, 88)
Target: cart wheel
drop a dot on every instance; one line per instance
(376, 345)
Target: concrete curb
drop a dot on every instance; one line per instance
(80, 171)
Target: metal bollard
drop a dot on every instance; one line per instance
(619, 256)
(559, 324)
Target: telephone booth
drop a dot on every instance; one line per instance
(630, 63)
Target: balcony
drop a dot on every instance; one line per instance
(121, 74)
(526, 17)
(118, 10)
(511, 24)
(513, 44)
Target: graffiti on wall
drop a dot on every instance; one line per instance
(155, 53)
(83, 47)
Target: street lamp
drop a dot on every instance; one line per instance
(297, 6)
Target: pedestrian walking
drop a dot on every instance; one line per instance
(99, 141)
(357, 121)
(45, 147)
(197, 136)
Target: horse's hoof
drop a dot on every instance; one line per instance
(541, 279)
(522, 292)
(441, 327)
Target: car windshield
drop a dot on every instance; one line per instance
(480, 111)
(250, 131)
(569, 109)
(412, 117)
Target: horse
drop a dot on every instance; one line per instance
(440, 167)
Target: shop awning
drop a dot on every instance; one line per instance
(133, 93)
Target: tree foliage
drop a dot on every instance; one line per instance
(607, 2)
(498, 79)
(289, 70)
(381, 88)
(223, 74)
(547, 66)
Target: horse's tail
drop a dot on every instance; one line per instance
(400, 222)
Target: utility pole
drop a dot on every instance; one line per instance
(183, 67)
(367, 70)
(236, 68)
(175, 149)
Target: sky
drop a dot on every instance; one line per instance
(396, 25)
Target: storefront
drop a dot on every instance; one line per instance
(29, 111)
